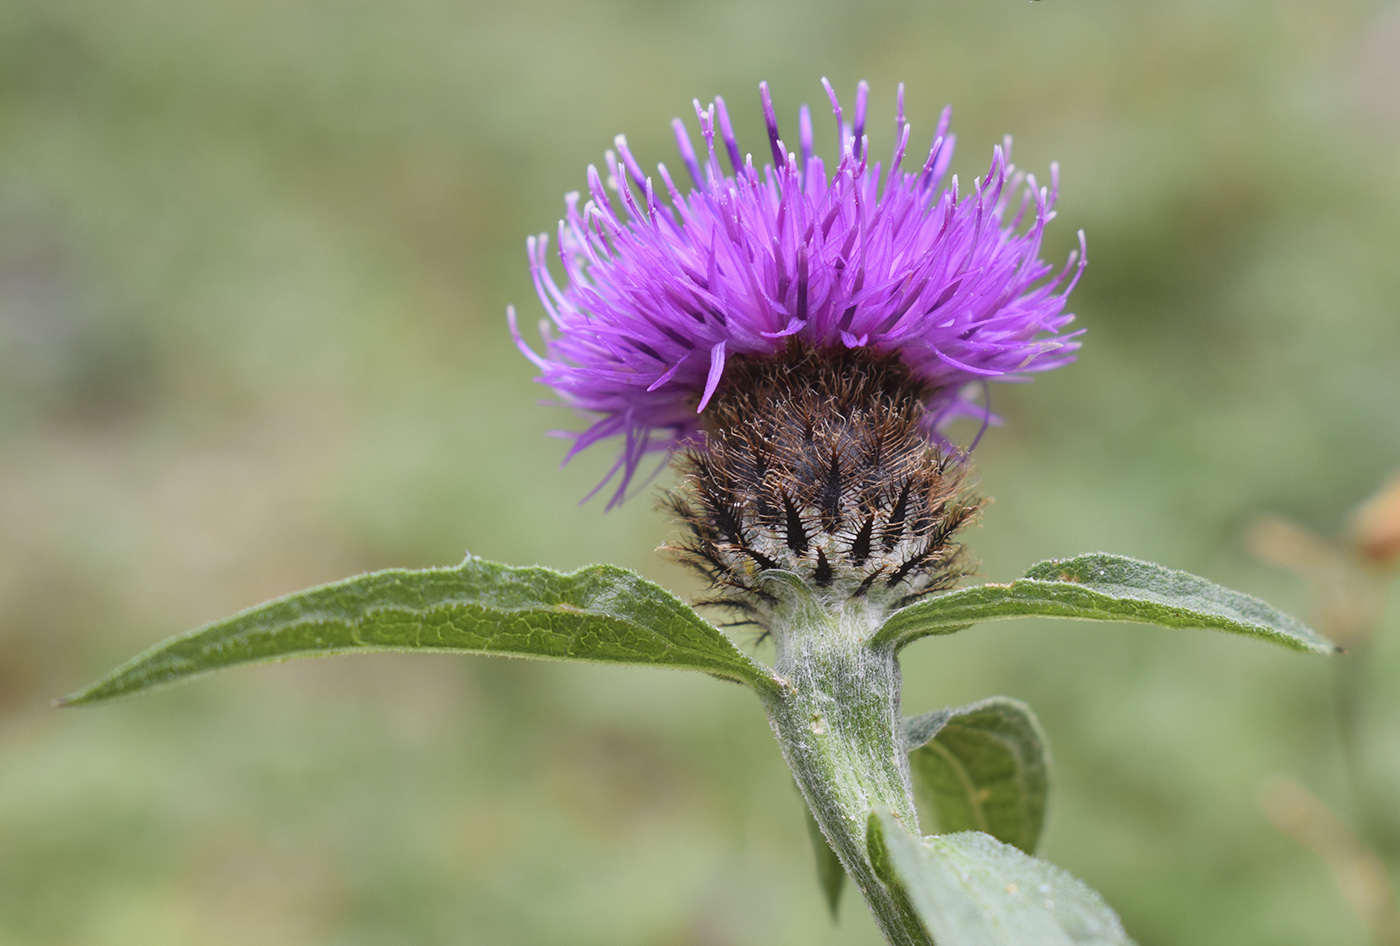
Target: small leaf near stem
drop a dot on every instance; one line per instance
(830, 874)
(969, 889)
(1102, 587)
(601, 613)
(836, 720)
(983, 767)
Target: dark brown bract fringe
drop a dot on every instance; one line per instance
(818, 463)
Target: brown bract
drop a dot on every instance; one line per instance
(818, 462)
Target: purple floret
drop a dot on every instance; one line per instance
(661, 291)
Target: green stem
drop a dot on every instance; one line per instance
(837, 718)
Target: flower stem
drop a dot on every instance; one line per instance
(837, 718)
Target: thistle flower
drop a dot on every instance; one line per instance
(816, 462)
(783, 327)
(660, 299)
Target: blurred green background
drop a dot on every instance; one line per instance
(254, 262)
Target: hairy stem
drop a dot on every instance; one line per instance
(837, 718)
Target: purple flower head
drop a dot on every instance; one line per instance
(661, 291)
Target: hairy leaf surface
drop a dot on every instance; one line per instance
(969, 889)
(1102, 587)
(983, 767)
(599, 613)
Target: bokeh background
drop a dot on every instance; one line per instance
(254, 262)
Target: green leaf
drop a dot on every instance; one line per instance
(969, 889)
(983, 767)
(1102, 587)
(830, 874)
(599, 613)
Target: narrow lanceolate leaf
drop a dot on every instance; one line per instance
(599, 613)
(969, 889)
(983, 767)
(830, 874)
(1102, 587)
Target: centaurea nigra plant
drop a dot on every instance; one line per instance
(797, 339)
(749, 264)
